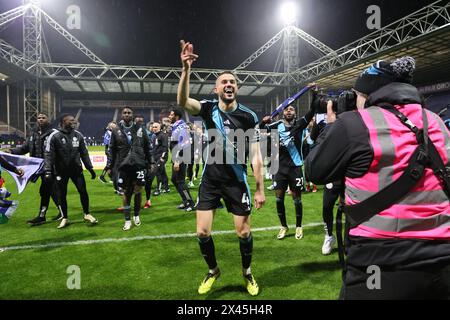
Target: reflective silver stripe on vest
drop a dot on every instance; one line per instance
(412, 198)
(444, 132)
(386, 164)
(403, 225)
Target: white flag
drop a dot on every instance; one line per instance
(29, 165)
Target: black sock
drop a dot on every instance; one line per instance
(185, 195)
(327, 215)
(45, 201)
(63, 209)
(281, 212)
(148, 191)
(190, 201)
(298, 212)
(197, 169)
(246, 247)
(137, 203)
(42, 211)
(208, 251)
(127, 213)
(180, 189)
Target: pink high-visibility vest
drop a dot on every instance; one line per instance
(425, 212)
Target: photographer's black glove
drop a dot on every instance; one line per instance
(93, 174)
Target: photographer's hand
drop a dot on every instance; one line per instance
(331, 115)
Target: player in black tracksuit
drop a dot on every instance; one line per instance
(63, 155)
(160, 153)
(129, 156)
(35, 146)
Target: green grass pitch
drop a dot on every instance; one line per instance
(165, 268)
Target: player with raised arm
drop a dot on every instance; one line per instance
(224, 180)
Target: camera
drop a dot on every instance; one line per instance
(346, 101)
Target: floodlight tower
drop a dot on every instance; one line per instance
(291, 58)
(32, 50)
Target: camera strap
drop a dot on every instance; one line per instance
(424, 156)
(340, 239)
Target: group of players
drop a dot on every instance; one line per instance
(136, 155)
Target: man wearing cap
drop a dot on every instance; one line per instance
(397, 248)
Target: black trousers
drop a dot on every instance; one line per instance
(190, 170)
(162, 178)
(178, 180)
(80, 183)
(330, 196)
(151, 174)
(158, 172)
(47, 190)
(419, 283)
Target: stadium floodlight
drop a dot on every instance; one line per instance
(288, 13)
(3, 77)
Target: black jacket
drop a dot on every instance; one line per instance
(161, 147)
(121, 153)
(35, 144)
(65, 151)
(344, 150)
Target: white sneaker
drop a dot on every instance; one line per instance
(64, 223)
(127, 226)
(282, 233)
(328, 244)
(89, 217)
(271, 187)
(137, 221)
(298, 233)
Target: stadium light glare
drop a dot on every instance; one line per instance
(288, 13)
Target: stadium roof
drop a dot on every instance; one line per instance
(432, 54)
(156, 86)
(424, 35)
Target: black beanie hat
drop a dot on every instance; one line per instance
(383, 73)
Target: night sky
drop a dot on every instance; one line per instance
(224, 33)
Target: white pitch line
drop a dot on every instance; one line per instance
(109, 240)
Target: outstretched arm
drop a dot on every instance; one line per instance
(187, 58)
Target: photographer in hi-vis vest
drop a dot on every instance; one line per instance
(393, 156)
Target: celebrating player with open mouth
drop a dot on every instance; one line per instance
(224, 180)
